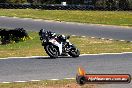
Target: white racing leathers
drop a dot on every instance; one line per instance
(59, 45)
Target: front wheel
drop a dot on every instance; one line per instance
(74, 52)
(51, 50)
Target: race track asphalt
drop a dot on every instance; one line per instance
(110, 32)
(42, 68)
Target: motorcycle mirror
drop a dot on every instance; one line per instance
(68, 37)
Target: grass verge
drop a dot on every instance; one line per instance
(121, 18)
(47, 84)
(86, 46)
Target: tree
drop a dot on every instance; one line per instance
(130, 4)
(3, 1)
(30, 1)
(123, 4)
(16, 1)
(110, 4)
(94, 2)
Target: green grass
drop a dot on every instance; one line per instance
(86, 46)
(26, 48)
(121, 18)
(47, 84)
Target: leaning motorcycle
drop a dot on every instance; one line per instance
(56, 46)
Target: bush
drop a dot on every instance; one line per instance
(13, 35)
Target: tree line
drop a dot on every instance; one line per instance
(109, 4)
(120, 4)
(30, 1)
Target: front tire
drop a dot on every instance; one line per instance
(74, 52)
(51, 50)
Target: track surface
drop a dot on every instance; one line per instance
(113, 32)
(45, 68)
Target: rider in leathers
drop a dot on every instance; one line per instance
(49, 35)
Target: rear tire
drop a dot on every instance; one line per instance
(51, 50)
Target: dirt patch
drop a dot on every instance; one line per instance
(74, 85)
(71, 85)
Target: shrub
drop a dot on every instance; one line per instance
(13, 35)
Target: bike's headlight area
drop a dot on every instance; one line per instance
(67, 40)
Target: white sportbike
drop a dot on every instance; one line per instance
(58, 45)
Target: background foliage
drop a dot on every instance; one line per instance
(109, 4)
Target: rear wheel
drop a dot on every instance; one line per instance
(51, 50)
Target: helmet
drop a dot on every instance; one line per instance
(51, 34)
(42, 31)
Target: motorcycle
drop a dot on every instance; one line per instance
(57, 46)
